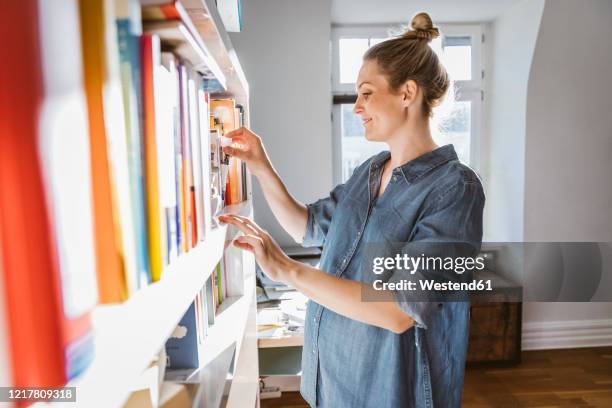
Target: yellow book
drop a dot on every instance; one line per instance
(115, 252)
(150, 62)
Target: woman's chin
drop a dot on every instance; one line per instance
(372, 137)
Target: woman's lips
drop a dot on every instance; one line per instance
(366, 121)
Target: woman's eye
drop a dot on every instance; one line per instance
(366, 95)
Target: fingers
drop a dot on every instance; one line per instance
(239, 223)
(250, 223)
(241, 135)
(235, 133)
(233, 151)
(249, 242)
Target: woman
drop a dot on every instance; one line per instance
(401, 352)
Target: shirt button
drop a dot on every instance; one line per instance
(394, 178)
(358, 233)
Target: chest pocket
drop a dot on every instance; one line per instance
(386, 225)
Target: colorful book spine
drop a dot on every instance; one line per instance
(168, 131)
(203, 99)
(188, 198)
(128, 33)
(46, 221)
(98, 78)
(181, 213)
(196, 154)
(116, 137)
(210, 300)
(157, 238)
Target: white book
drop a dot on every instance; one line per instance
(165, 98)
(196, 152)
(65, 156)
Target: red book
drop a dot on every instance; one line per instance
(161, 10)
(48, 263)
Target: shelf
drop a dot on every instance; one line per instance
(129, 335)
(208, 23)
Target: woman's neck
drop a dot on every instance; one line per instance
(410, 142)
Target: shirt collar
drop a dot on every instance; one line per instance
(421, 165)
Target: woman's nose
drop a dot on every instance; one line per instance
(357, 109)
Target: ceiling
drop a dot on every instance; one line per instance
(400, 11)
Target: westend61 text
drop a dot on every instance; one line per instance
(432, 285)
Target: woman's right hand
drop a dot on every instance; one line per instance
(248, 147)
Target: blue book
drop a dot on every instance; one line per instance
(129, 57)
(182, 347)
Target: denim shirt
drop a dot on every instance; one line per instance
(346, 363)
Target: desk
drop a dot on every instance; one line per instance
(282, 325)
(280, 336)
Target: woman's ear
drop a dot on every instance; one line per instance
(409, 92)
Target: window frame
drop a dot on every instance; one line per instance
(465, 90)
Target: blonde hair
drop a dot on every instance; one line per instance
(409, 57)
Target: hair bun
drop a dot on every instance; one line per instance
(422, 28)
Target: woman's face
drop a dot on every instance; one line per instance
(383, 111)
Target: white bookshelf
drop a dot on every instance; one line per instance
(129, 336)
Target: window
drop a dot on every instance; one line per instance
(457, 121)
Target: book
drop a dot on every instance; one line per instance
(171, 64)
(182, 348)
(210, 300)
(161, 10)
(196, 154)
(231, 15)
(152, 113)
(129, 30)
(224, 111)
(116, 137)
(115, 260)
(203, 100)
(168, 132)
(189, 189)
(46, 221)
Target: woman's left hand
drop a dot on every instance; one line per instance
(270, 257)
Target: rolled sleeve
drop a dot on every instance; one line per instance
(314, 236)
(452, 228)
(320, 215)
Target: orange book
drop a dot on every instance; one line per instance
(150, 61)
(189, 188)
(182, 168)
(46, 232)
(112, 285)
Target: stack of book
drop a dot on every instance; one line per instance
(106, 169)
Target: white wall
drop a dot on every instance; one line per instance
(549, 142)
(510, 44)
(284, 50)
(568, 186)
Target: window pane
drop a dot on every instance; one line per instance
(455, 129)
(355, 148)
(351, 54)
(456, 55)
(458, 62)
